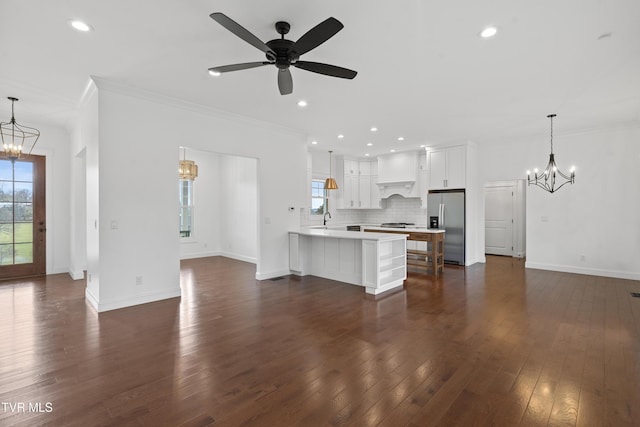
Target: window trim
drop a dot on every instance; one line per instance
(325, 198)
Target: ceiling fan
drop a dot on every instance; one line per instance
(285, 53)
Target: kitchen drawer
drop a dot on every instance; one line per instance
(424, 237)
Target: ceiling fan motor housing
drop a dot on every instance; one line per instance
(284, 57)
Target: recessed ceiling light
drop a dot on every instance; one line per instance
(401, 138)
(422, 146)
(366, 155)
(488, 32)
(80, 26)
(369, 144)
(214, 73)
(341, 136)
(392, 150)
(314, 142)
(374, 129)
(302, 103)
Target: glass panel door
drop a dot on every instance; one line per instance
(22, 228)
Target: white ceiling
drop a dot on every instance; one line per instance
(423, 72)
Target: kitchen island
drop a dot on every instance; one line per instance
(376, 261)
(432, 258)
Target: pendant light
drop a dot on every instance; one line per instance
(330, 183)
(551, 176)
(188, 168)
(14, 136)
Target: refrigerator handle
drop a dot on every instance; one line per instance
(441, 215)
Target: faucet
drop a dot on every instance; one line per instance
(324, 217)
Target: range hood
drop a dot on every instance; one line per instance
(405, 189)
(398, 174)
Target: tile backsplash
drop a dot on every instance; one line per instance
(396, 209)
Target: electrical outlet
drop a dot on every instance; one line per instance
(138, 280)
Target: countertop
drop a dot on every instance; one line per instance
(344, 234)
(416, 229)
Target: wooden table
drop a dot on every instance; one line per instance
(433, 258)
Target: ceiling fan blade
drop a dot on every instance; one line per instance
(326, 69)
(285, 82)
(241, 32)
(317, 35)
(238, 67)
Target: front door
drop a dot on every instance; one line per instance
(22, 217)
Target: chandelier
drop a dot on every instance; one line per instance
(188, 168)
(551, 179)
(14, 136)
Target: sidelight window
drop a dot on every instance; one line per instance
(16, 212)
(186, 207)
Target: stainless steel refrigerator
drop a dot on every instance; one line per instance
(446, 208)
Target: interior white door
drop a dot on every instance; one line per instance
(498, 220)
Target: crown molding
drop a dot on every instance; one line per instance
(158, 98)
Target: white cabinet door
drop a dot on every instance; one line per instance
(364, 192)
(350, 192)
(364, 167)
(437, 160)
(456, 166)
(447, 168)
(349, 187)
(350, 167)
(294, 252)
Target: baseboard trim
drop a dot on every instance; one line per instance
(239, 257)
(76, 275)
(200, 255)
(582, 270)
(117, 303)
(91, 299)
(271, 274)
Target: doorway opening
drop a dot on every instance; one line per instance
(223, 207)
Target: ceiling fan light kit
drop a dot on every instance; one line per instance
(285, 53)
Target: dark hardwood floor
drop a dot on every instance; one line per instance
(492, 344)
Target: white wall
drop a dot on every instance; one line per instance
(54, 144)
(84, 201)
(139, 136)
(239, 204)
(590, 227)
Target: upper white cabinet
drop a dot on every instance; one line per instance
(446, 168)
(359, 190)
